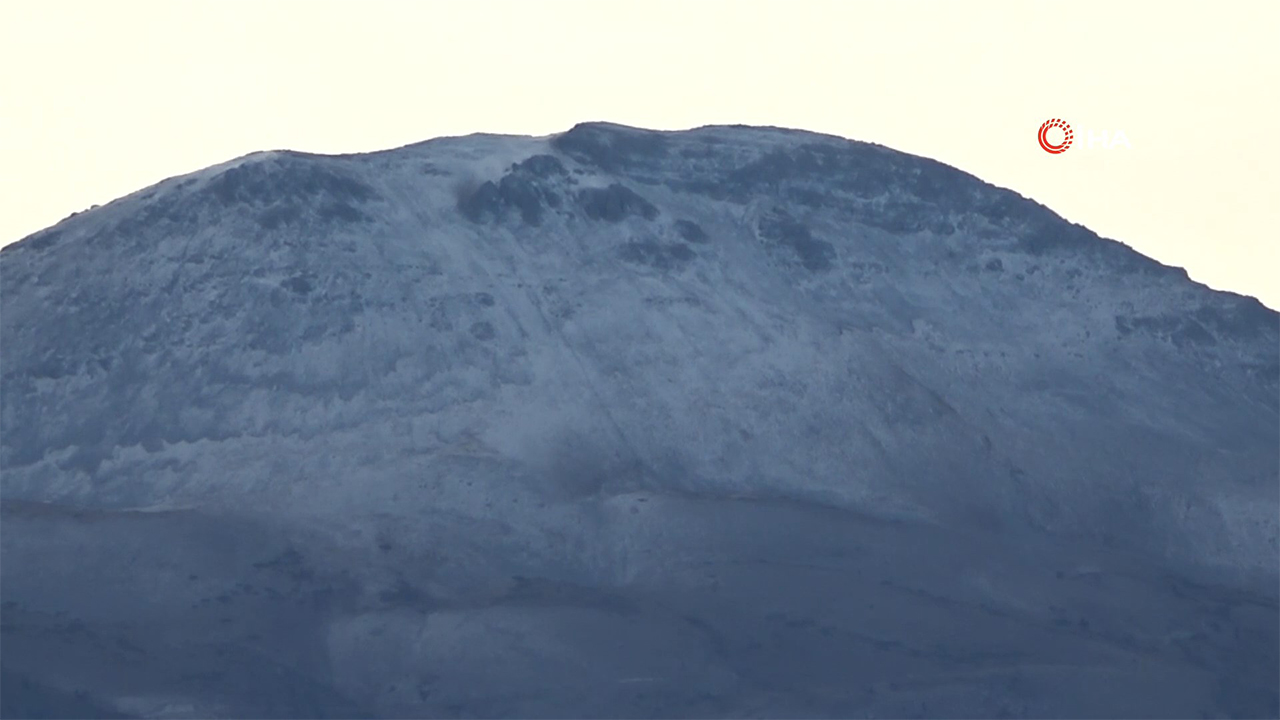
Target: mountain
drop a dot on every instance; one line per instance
(726, 422)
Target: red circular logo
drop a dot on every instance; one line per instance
(1044, 140)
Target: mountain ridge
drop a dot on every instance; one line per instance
(40, 237)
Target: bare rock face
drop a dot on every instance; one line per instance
(727, 422)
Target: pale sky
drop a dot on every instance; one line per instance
(98, 99)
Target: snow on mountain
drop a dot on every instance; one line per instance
(618, 422)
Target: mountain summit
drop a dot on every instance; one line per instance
(725, 422)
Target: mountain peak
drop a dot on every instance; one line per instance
(651, 382)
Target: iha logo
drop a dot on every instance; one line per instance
(1056, 136)
(1048, 146)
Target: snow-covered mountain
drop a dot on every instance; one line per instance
(726, 422)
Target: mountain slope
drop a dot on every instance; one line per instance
(728, 421)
